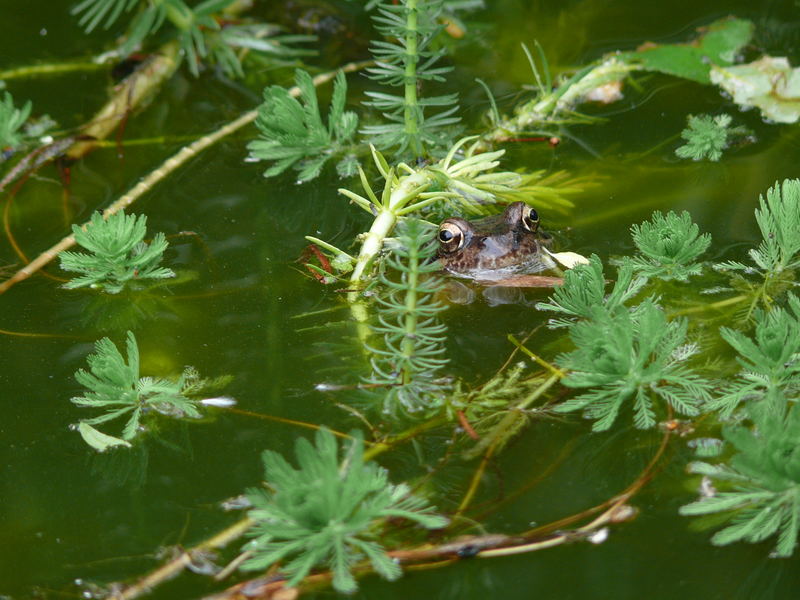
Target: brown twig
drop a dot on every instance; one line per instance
(129, 94)
(614, 510)
(180, 562)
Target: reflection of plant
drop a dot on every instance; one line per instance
(117, 388)
(327, 512)
(413, 350)
(770, 360)
(294, 135)
(118, 256)
(631, 353)
(761, 493)
(668, 245)
(707, 137)
(11, 120)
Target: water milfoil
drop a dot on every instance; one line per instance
(331, 511)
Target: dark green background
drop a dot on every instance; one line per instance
(62, 517)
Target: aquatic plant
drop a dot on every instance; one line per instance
(769, 360)
(197, 29)
(668, 245)
(11, 121)
(718, 44)
(119, 256)
(625, 357)
(583, 291)
(405, 59)
(777, 257)
(413, 350)
(114, 385)
(328, 512)
(707, 137)
(468, 182)
(759, 486)
(293, 134)
(189, 22)
(637, 355)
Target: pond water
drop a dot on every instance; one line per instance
(247, 308)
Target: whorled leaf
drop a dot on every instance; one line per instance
(329, 511)
(293, 133)
(584, 289)
(669, 244)
(631, 355)
(118, 254)
(760, 488)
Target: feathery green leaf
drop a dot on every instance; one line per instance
(293, 134)
(119, 256)
(762, 482)
(114, 385)
(668, 246)
(637, 354)
(329, 511)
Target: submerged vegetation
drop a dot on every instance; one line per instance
(640, 346)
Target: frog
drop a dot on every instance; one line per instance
(505, 249)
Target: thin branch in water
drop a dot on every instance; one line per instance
(170, 165)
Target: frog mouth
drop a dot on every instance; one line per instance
(530, 266)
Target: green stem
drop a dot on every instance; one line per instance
(545, 108)
(180, 16)
(411, 58)
(408, 346)
(403, 193)
(50, 69)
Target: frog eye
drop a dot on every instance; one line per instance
(451, 238)
(530, 219)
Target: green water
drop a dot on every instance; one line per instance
(63, 518)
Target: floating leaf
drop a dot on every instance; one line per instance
(114, 386)
(294, 135)
(717, 44)
(99, 440)
(770, 84)
(11, 120)
(669, 244)
(568, 260)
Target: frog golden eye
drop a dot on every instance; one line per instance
(530, 218)
(451, 238)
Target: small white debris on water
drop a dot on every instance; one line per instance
(707, 489)
(222, 402)
(568, 259)
(599, 536)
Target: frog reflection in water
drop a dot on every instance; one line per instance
(504, 251)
